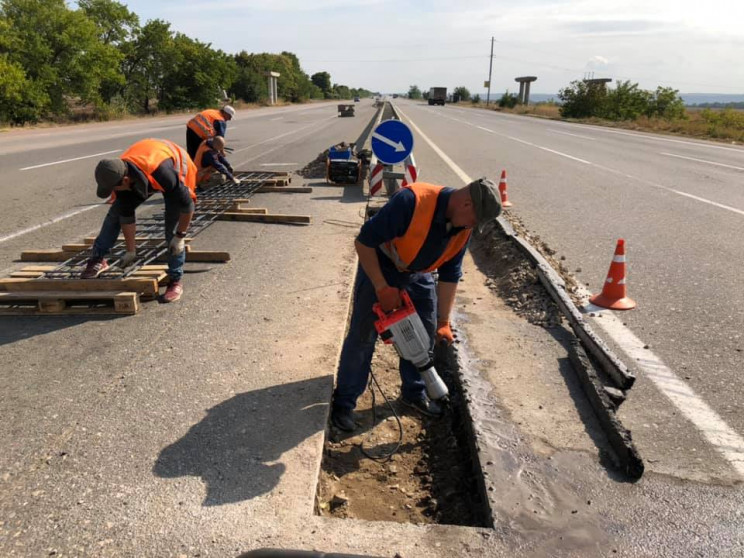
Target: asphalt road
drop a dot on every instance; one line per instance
(196, 428)
(679, 205)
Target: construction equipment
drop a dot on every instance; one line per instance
(345, 110)
(404, 329)
(341, 165)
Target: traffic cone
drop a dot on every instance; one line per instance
(502, 188)
(613, 295)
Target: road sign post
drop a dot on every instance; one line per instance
(392, 142)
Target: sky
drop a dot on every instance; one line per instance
(389, 45)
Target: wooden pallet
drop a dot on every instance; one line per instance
(51, 303)
(158, 272)
(54, 255)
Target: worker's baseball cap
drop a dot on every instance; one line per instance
(109, 173)
(227, 109)
(486, 201)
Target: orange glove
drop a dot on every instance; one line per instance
(444, 333)
(389, 298)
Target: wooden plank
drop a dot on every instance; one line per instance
(60, 302)
(246, 211)
(291, 219)
(51, 255)
(89, 240)
(286, 189)
(143, 285)
(203, 256)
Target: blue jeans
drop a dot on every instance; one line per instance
(359, 345)
(112, 226)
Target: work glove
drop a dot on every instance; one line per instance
(236, 181)
(128, 259)
(177, 246)
(444, 333)
(389, 298)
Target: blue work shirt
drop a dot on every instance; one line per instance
(214, 159)
(220, 127)
(392, 222)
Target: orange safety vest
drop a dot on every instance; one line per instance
(203, 123)
(202, 173)
(404, 249)
(148, 154)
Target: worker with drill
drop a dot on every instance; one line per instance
(207, 124)
(212, 168)
(422, 228)
(148, 166)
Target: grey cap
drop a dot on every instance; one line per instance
(109, 173)
(486, 201)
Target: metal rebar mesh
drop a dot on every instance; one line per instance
(151, 244)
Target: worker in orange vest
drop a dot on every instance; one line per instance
(207, 124)
(422, 228)
(212, 168)
(148, 166)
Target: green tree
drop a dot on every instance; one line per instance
(414, 92)
(323, 81)
(461, 93)
(115, 23)
(59, 51)
(666, 103)
(147, 61)
(508, 100)
(583, 99)
(625, 102)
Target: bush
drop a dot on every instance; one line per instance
(508, 100)
(476, 99)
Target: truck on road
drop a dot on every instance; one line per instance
(437, 95)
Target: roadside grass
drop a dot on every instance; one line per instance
(716, 124)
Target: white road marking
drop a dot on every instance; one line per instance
(50, 222)
(608, 169)
(275, 137)
(573, 135)
(279, 118)
(315, 129)
(721, 436)
(70, 160)
(703, 161)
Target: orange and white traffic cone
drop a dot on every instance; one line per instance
(502, 189)
(613, 295)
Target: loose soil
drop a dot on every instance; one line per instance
(429, 479)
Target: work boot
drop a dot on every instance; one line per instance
(173, 292)
(424, 405)
(343, 419)
(94, 268)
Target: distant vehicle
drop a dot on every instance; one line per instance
(437, 95)
(395, 95)
(356, 99)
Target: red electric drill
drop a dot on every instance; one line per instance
(404, 329)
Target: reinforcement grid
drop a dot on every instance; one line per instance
(151, 244)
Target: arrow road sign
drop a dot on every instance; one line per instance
(392, 142)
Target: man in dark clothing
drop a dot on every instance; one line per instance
(207, 124)
(212, 167)
(146, 167)
(421, 228)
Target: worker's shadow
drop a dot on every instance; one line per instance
(235, 448)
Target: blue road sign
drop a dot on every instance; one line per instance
(392, 142)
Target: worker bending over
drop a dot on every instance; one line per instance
(148, 166)
(422, 228)
(207, 124)
(212, 167)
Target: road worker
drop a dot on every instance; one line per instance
(148, 166)
(212, 168)
(207, 124)
(422, 228)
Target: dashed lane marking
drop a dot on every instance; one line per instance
(719, 434)
(69, 160)
(703, 161)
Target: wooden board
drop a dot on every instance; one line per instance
(286, 189)
(142, 285)
(68, 302)
(89, 240)
(291, 219)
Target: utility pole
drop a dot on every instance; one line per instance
(490, 67)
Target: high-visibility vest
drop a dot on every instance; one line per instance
(404, 249)
(203, 173)
(148, 154)
(203, 123)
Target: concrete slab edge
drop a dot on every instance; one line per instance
(556, 287)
